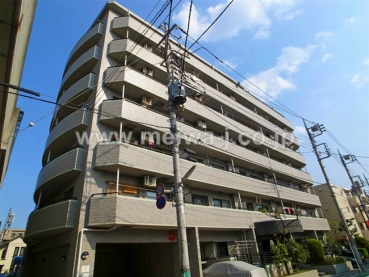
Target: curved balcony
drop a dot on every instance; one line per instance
(88, 40)
(117, 76)
(111, 110)
(81, 67)
(80, 91)
(51, 220)
(64, 133)
(134, 160)
(60, 171)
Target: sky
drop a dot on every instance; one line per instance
(309, 56)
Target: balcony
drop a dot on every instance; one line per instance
(111, 110)
(80, 91)
(135, 81)
(64, 133)
(88, 40)
(111, 210)
(51, 220)
(60, 171)
(140, 161)
(81, 67)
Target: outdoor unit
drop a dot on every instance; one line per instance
(149, 181)
(201, 124)
(232, 97)
(148, 71)
(147, 101)
(198, 97)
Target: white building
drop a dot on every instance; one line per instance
(96, 210)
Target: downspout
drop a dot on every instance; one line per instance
(80, 244)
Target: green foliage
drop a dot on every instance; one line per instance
(296, 252)
(280, 255)
(331, 247)
(340, 260)
(362, 242)
(329, 261)
(363, 252)
(316, 251)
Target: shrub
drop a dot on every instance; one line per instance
(329, 261)
(340, 260)
(296, 252)
(363, 252)
(316, 251)
(362, 242)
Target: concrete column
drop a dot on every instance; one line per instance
(226, 133)
(194, 252)
(123, 90)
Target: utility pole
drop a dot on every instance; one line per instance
(355, 187)
(318, 129)
(177, 97)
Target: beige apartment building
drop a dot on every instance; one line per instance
(11, 246)
(16, 19)
(349, 203)
(96, 212)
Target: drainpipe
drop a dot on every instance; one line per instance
(117, 185)
(80, 244)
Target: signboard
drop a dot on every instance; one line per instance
(159, 189)
(160, 202)
(171, 235)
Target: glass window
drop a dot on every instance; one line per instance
(198, 200)
(16, 251)
(222, 249)
(21, 253)
(226, 203)
(151, 195)
(3, 255)
(217, 203)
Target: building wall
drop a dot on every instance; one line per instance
(10, 248)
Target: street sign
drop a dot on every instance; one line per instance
(171, 235)
(159, 190)
(160, 202)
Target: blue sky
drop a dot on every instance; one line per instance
(311, 56)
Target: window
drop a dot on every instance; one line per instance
(222, 249)
(261, 208)
(221, 203)
(3, 255)
(312, 214)
(198, 200)
(21, 253)
(16, 251)
(150, 195)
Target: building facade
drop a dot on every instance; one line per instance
(16, 23)
(11, 246)
(354, 209)
(107, 149)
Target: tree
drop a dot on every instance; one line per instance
(316, 251)
(285, 231)
(296, 252)
(280, 255)
(331, 247)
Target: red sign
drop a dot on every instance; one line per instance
(171, 235)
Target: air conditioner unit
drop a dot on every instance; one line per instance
(147, 101)
(201, 124)
(148, 71)
(149, 181)
(232, 97)
(198, 97)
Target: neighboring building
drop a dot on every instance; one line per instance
(96, 213)
(349, 204)
(16, 19)
(11, 246)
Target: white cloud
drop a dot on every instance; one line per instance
(350, 20)
(326, 57)
(255, 15)
(277, 79)
(360, 79)
(227, 63)
(324, 36)
(300, 130)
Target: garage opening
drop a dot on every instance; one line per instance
(136, 260)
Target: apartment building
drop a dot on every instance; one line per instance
(96, 212)
(353, 203)
(12, 248)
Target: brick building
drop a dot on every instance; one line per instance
(106, 151)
